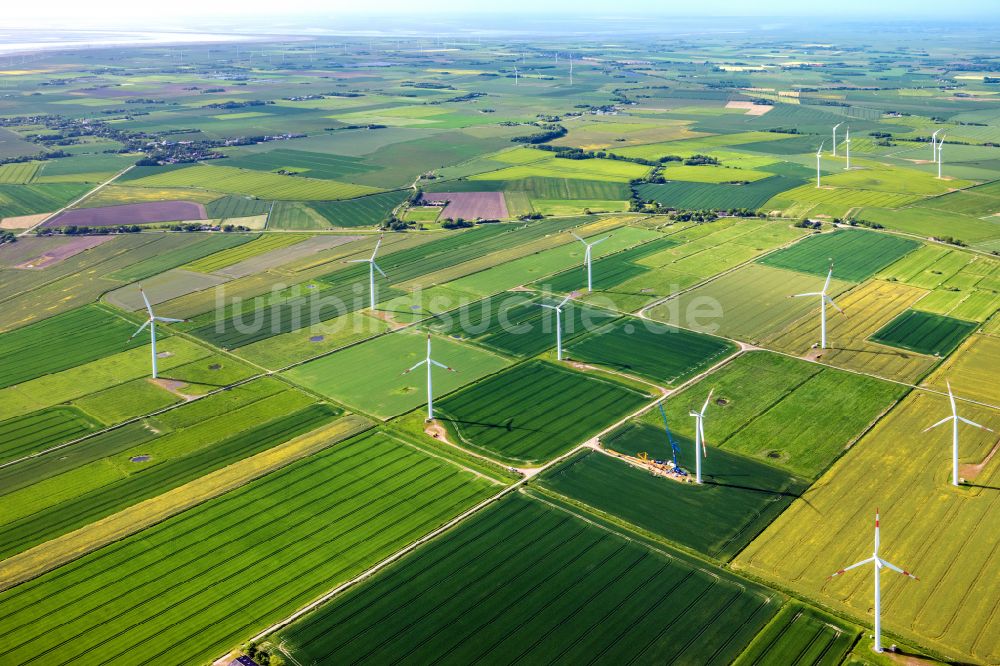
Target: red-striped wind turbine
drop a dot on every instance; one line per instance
(879, 564)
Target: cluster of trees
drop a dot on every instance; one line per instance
(7, 237)
(700, 160)
(859, 223)
(570, 153)
(457, 223)
(950, 240)
(548, 133)
(264, 655)
(806, 223)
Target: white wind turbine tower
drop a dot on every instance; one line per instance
(151, 322)
(835, 138)
(955, 418)
(699, 437)
(558, 309)
(430, 363)
(571, 69)
(823, 300)
(588, 259)
(372, 267)
(879, 564)
(934, 145)
(515, 75)
(847, 148)
(819, 154)
(939, 146)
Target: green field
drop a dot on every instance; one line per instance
(314, 165)
(526, 582)
(660, 353)
(800, 635)
(18, 173)
(39, 430)
(237, 206)
(32, 199)
(266, 548)
(535, 411)
(609, 271)
(697, 196)
(369, 376)
(856, 254)
(64, 341)
(739, 497)
(232, 180)
(257, 246)
(767, 406)
(78, 503)
(366, 211)
(924, 332)
(200, 246)
(514, 323)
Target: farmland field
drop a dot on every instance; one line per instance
(764, 406)
(292, 534)
(800, 635)
(924, 333)
(913, 495)
(584, 592)
(663, 354)
(80, 336)
(514, 323)
(856, 255)
(739, 497)
(278, 475)
(255, 183)
(37, 431)
(535, 411)
(368, 376)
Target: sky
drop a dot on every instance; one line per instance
(111, 11)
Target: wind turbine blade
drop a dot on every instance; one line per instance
(951, 398)
(811, 293)
(944, 420)
(358, 261)
(897, 569)
(830, 301)
(379, 270)
(146, 301)
(169, 320)
(564, 301)
(578, 238)
(543, 305)
(973, 423)
(853, 566)
(705, 406)
(417, 365)
(377, 244)
(600, 241)
(701, 429)
(442, 365)
(140, 329)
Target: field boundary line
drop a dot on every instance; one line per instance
(85, 195)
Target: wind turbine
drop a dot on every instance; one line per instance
(835, 138)
(571, 69)
(151, 322)
(558, 309)
(939, 146)
(372, 267)
(587, 258)
(670, 438)
(515, 75)
(430, 385)
(819, 154)
(847, 147)
(934, 149)
(823, 300)
(955, 418)
(699, 437)
(879, 563)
